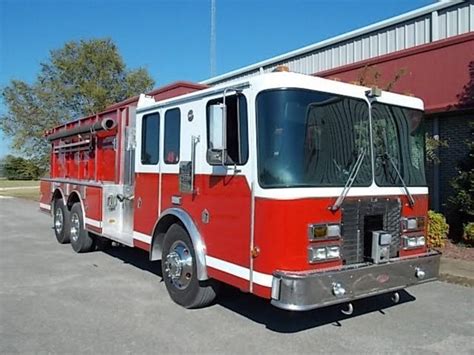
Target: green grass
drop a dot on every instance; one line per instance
(16, 183)
(29, 193)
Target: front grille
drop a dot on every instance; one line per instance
(356, 213)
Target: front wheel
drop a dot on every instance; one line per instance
(178, 265)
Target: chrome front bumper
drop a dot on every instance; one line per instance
(303, 291)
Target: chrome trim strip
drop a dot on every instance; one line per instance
(59, 188)
(75, 182)
(252, 233)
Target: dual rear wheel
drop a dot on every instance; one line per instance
(61, 221)
(178, 262)
(69, 228)
(81, 240)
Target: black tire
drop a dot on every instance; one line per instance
(61, 221)
(81, 240)
(186, 290)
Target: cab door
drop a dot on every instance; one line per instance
(225, 196)
(147, 177)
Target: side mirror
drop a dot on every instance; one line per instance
(217, 127)
(217, 133)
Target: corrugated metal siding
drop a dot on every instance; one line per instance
(456, 20)
(384, 41)
(451, 21)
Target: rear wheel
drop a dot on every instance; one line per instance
(81, 240)
(61, 221)
(179, 271)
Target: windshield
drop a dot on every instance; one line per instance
(310, 138)
(398, 145)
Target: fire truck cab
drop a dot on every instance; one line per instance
(305, 191)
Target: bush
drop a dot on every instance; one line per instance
(17, 168)
(461, 203)
(469, 233)
(437, 229)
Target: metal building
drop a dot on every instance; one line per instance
(428, 52)
(429, 24)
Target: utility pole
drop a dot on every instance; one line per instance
(213, 39)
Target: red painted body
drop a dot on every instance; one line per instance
(93, 203)
(227, 198)
(146, 215)
(280, 233)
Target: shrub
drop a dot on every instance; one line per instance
(469, 233)
(437, 229)
(18, 168)
(461, 202)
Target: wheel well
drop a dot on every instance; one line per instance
(57, 195)
(158, 236)
(72, 199)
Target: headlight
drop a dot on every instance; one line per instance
(323, 231)
(413, 223)
(333, 252)
(413, 242)
(317, 254)
(420, 241)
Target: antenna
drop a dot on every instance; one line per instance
(213, 38)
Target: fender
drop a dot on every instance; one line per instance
(156, 249)
(60, 191)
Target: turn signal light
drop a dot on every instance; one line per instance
(413, 223)
(324, 231)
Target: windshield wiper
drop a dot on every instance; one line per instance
(411, 200)
(350, 180)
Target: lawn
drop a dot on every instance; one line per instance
(20, 188)
(16, 183)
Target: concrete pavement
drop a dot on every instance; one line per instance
(457, 271)
(55, 301)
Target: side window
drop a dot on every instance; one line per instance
(172, 135)
(237, 128)
(150, 139)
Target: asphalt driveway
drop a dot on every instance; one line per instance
(53, 300)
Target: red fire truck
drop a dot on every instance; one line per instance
(305, 191)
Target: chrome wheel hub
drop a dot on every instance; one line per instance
(75, 227)
(58, 220)
(179, 265)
